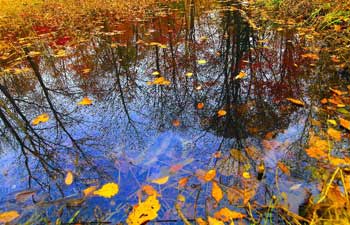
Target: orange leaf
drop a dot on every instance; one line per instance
(8, 216)
(283, 168)
(336, 135)
(183, 181)
(161, 180)
(88, 191)
(241, 75)
(221, 112)
(176, 123)
(210, 175)
(296, 101)
(85, 101)
(42, 118)
(344, 123)
(227, 215)
(69, 178)
(200, 105)
(149, 190)
(216, 192)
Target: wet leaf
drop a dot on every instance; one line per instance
(333, 122)
(296, 101)
(213, 221)
(210, 175)
(155, 73)
(201, 221)
(336, 135)
(176, 122)
(182, 182)
(89, 191)
(69, 178)
(161, 180)
(85, 101)
(283, 168)
(200, 105)
(6, 217)
(246, 175)
(24, 195)
(108, 190)
(189, 74)
(60, 53)
(227, 215)
(42, 118)
(149, 190)
(241, 75)
(144, 212)
(335, 91)
(202, 61)
(216, 192)
(221, 113)
(344, 123)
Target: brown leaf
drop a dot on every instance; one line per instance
(296, 101)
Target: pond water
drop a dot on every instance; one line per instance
(165, 101)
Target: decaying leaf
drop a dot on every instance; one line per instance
(216, 192)
(6, 217)
(108, 190)
(42, 118)
(144, 211)
(227, 215)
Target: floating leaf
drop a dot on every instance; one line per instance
(176, 122)
(189, 74)
(336, 135)
(144, 212)
(24, 195)
(89, 191)
(241, 75)
(200, 105)
(9, 216)
(216, 192)
(221, 112)
(155, 73)
(283, 168)
(108, 190)
(42, 118)
(183, 181)
(201, 221)
(149, 190)
(333, 122)
(161, 180)
(227, 215)
(213, 221)
(246, 175)
(296, 101)
(210, 175)
(295, 187)
(69, 178)
(85, 101)
(344, 123)
(60, 53)
(202, 61)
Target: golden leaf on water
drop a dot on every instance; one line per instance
(155, 73)
(344, 123)
(216, 192)
(283, 168)
(336, 135)
(149, 190)
(201, 221)
(296, 101)
(42, 118)
(85, 101)
(161, 180)
(189, 74)
(144, 211)
(227, 215)
(183, 181)
(69, 178)
(318, 148)
(241, 75)
(246, 175)
(202, 61)
(213, 221)
(89, 191)
(108, 190)
(6, 217)
(221, 113)
(210, 175)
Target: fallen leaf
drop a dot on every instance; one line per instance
(8, 216)
(144, 211)
(108, 190)
(201, 221)
(216, 192)
(227, 215)
(24, 195)
(200, 105)
(213, 221)
(161, 180)
(246, 175)
(202, 61)
(42, 118)
(183, 181)
(344, 123)
(241, 75)
(283, 168)
(296, 101)
(149, 190)
(69, 178)
(221, 113)
(189, 74)
(210, 175)
(176, 122)
(85, 101)
(336, 135)
(89, 191)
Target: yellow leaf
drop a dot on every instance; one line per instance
(227, 215)
(161, 81)
(296, 101)
(333, 122)
(310, 56)
(155, 73)
(42, 118)
(69, 178)
(335, 91)
(336, 135)
(213, 221)
(189, 74)
(144, 212)
(88, 191)
(210, 175)
(85, 101)
(200, 221)
(108, 190)
(161, 180)
(246, 175)
(181, 198)
(344, 123)
(33, 53)
(221, 112)
(202, 61)
(241, 75)
(9, 216)
(283, 168)
(216, 192)
(60, 53)
(86, 70)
